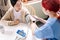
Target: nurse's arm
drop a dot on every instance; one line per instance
(40, 19)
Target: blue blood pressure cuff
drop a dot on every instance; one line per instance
(21, 33)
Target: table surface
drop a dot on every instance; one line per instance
(10, 31)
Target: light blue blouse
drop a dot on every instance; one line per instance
(51, 29)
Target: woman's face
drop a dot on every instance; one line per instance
(18, 5)
(49, 13)
(46, 12)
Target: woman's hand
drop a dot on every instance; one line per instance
(15, 22)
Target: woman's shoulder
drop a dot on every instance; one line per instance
(10, 10)
(25, 9)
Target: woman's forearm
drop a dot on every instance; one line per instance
(10, 23)
(40, 19)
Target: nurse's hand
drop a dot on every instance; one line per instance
(15, 22)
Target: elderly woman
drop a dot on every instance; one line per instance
(16, 14)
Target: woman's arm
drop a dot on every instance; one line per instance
(6, 18)
(11, 23)
(15, 22)
(40, 19)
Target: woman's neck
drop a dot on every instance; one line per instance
(53, 15)
(17, 10)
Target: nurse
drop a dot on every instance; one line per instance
(51, 29)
